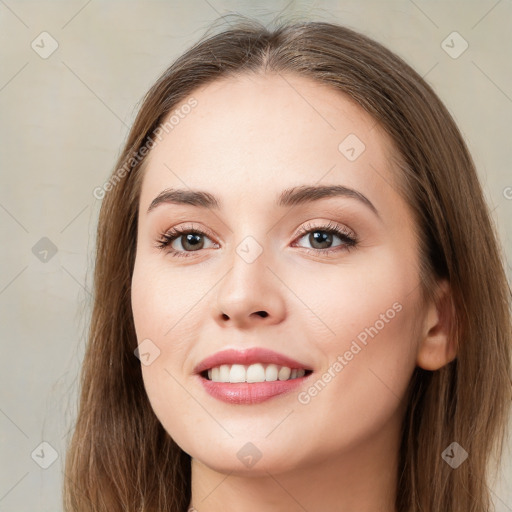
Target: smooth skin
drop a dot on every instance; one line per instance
(248, 139)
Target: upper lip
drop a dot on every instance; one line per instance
(247, 357)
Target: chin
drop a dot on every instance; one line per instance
(244, 458)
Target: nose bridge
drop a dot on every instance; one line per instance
(249, 292)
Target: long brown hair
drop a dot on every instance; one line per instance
(120, 458)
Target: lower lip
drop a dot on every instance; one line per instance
(250, 393)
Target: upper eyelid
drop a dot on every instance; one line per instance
(305, 228)
(327, 226)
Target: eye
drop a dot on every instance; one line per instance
(190, 239)
(321, 238)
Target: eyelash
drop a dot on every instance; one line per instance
(346, 236)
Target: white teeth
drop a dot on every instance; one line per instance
(256, 373)
(223, 373)
(253, 373)
(237, 373)
(284, 373)
(271, 373)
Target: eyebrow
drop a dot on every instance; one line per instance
(289, 197)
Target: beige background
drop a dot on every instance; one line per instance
(63, 121)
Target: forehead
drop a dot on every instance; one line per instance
(255, 134)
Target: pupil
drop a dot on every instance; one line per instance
(321, 237)
(190, 241)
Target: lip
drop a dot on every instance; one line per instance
(247, 357)
(244, 392)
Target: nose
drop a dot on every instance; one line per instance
(250, 294)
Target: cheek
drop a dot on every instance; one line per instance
(164, 321)
(361, 388)
(368, 339)
(162, 301)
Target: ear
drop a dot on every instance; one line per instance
(436, 347)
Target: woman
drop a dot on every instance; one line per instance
(300, 302)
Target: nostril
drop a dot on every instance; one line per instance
(262, 313)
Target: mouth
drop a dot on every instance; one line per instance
(250, 376)
(254, 373)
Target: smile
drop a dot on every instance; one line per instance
(253, 373)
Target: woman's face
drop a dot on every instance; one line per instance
(270, 273)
